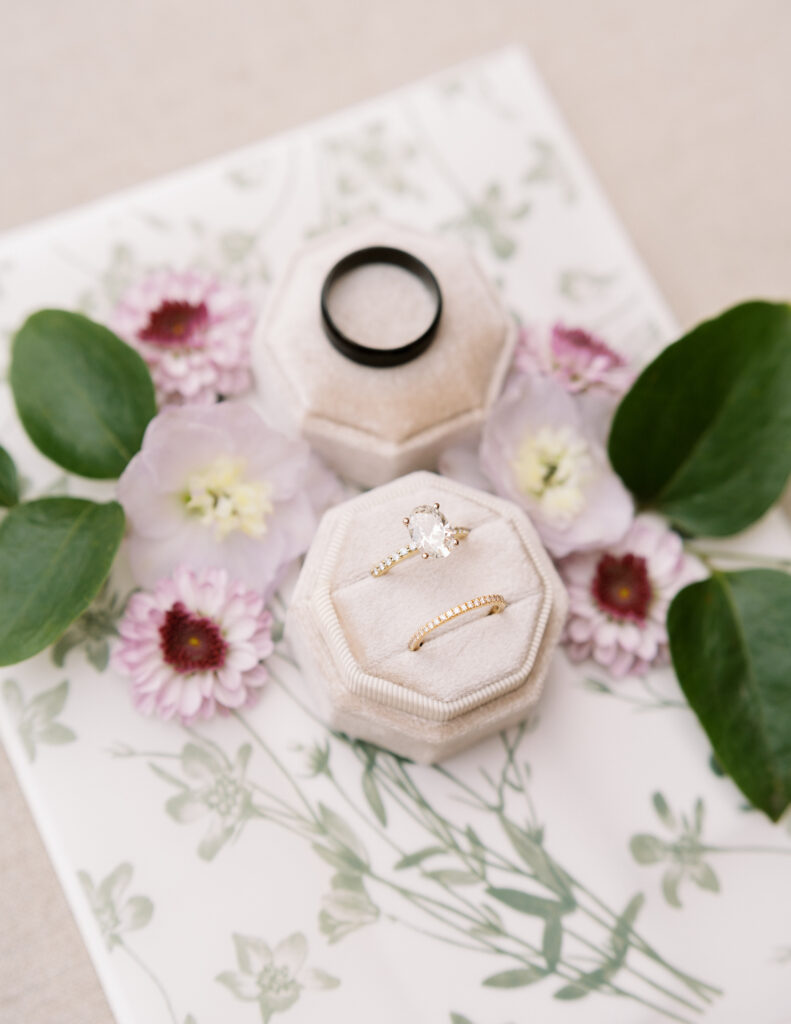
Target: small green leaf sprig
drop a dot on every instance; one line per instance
(84, 398)
(704, 437)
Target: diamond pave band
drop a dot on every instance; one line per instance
(495, 603)
(430, 536)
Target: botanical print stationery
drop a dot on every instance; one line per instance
(592, 864)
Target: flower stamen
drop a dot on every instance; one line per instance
(220, 497)
(553, 466)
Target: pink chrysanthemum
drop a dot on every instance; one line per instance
(192, 331)
(579, 360)
(618, 598)
(194, 645)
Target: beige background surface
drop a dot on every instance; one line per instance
(681, 106)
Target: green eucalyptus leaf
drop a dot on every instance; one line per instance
(9, 482)
(411, 859)
(517, 978)
(49, 704)
(729, 642)
(342, 860)
(452, 876)
(552, 941)
(671, 880)
(340, 831)
(587, 983)
(54, 556)
(704, 434)
(647, 849)
(83, 395)
(663, 810)
(624, 925)
(526, 903)
(541, 864)
(373, 796)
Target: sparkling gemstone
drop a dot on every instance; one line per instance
(430, 532)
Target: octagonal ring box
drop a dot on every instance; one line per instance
(372, 424)
(473, 676)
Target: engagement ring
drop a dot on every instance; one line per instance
(430, 536)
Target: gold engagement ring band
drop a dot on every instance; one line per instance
(430, 536)
(495, 603)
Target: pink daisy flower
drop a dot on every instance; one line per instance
(618, 598)
(192, 331)
(579, 360)
(194, 645)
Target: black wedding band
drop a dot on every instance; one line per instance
(380, 356)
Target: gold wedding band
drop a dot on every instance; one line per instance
(494, 602)
(430, 536)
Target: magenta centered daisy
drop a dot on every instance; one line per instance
(191, 643)
(194, 645)
(193, 332)
(622, 588)
(176, 323)
(618, 598)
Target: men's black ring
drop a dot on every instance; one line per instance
(380, 356)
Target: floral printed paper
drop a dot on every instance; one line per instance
(591, 865)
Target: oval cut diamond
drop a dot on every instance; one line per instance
(430, 531)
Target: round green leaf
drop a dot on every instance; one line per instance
(729, 642)
(9, 484)
(704, 435)
(83, 395)
(54, 556)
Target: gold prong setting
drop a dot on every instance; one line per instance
(494, 602)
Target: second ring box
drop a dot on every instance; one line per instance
(475, 674)
(369, 423)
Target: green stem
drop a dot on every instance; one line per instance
(706, 554)
(699, 988)
(259, 740)
(782, 850)
(507, 865)
(150, 974)
(435, 935)
(633, 970)
(208, 742)
(567, 973)
(397, 776)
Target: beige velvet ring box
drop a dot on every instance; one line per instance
(373, 424)
(473, 676)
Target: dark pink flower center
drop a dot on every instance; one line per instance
(621, 587)
(175, 323)
(190, 643)
(573, 345)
